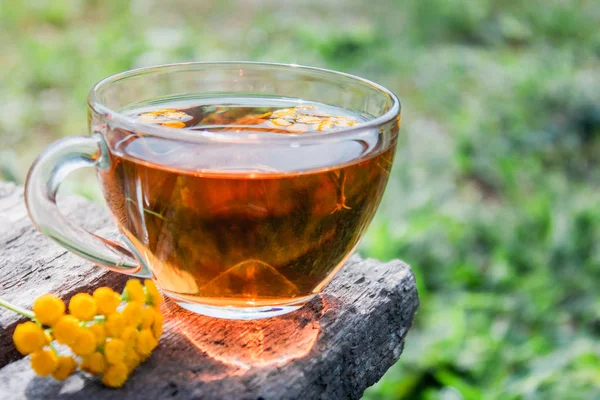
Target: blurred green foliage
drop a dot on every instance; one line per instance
(493, 201)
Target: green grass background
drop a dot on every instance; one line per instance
(494, 203)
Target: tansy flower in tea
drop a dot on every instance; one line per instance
(298, 119)
(106, 333)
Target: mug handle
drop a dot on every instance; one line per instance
(44, 178)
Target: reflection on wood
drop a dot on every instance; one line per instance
(247, 344)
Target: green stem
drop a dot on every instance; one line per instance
(19, 310)
(157, 215)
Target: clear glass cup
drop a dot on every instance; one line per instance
(258, 259)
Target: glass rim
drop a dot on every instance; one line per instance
(128, 122)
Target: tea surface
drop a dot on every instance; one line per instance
(240, 224)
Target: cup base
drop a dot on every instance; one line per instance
(241, 313)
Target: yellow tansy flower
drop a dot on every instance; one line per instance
(157, 325)
(116, 375)
(107, 300)
(83, 306)
(284, 113)
(44, 362)
(115, 323)
(145, 343)
(132, 313)
(129, 336)
(114, 351)
(85, 343)
(94, 363)
(29, 337)
(174, 124)
(102, 340)
(153, 295)
(48, 308)
(135, 291)
(66, 329)
(99, 332)
(65, 367)
(147, 317)
(132, 360)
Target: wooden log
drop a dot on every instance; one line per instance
(333, 348)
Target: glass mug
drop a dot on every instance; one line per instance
(230, 222)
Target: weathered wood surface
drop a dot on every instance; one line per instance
(334, 348)
(31, 265)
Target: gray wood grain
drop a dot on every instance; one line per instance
(31, 265)
(333, 348)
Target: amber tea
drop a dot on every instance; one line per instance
(243, 225)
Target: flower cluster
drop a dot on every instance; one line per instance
(104, 334)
